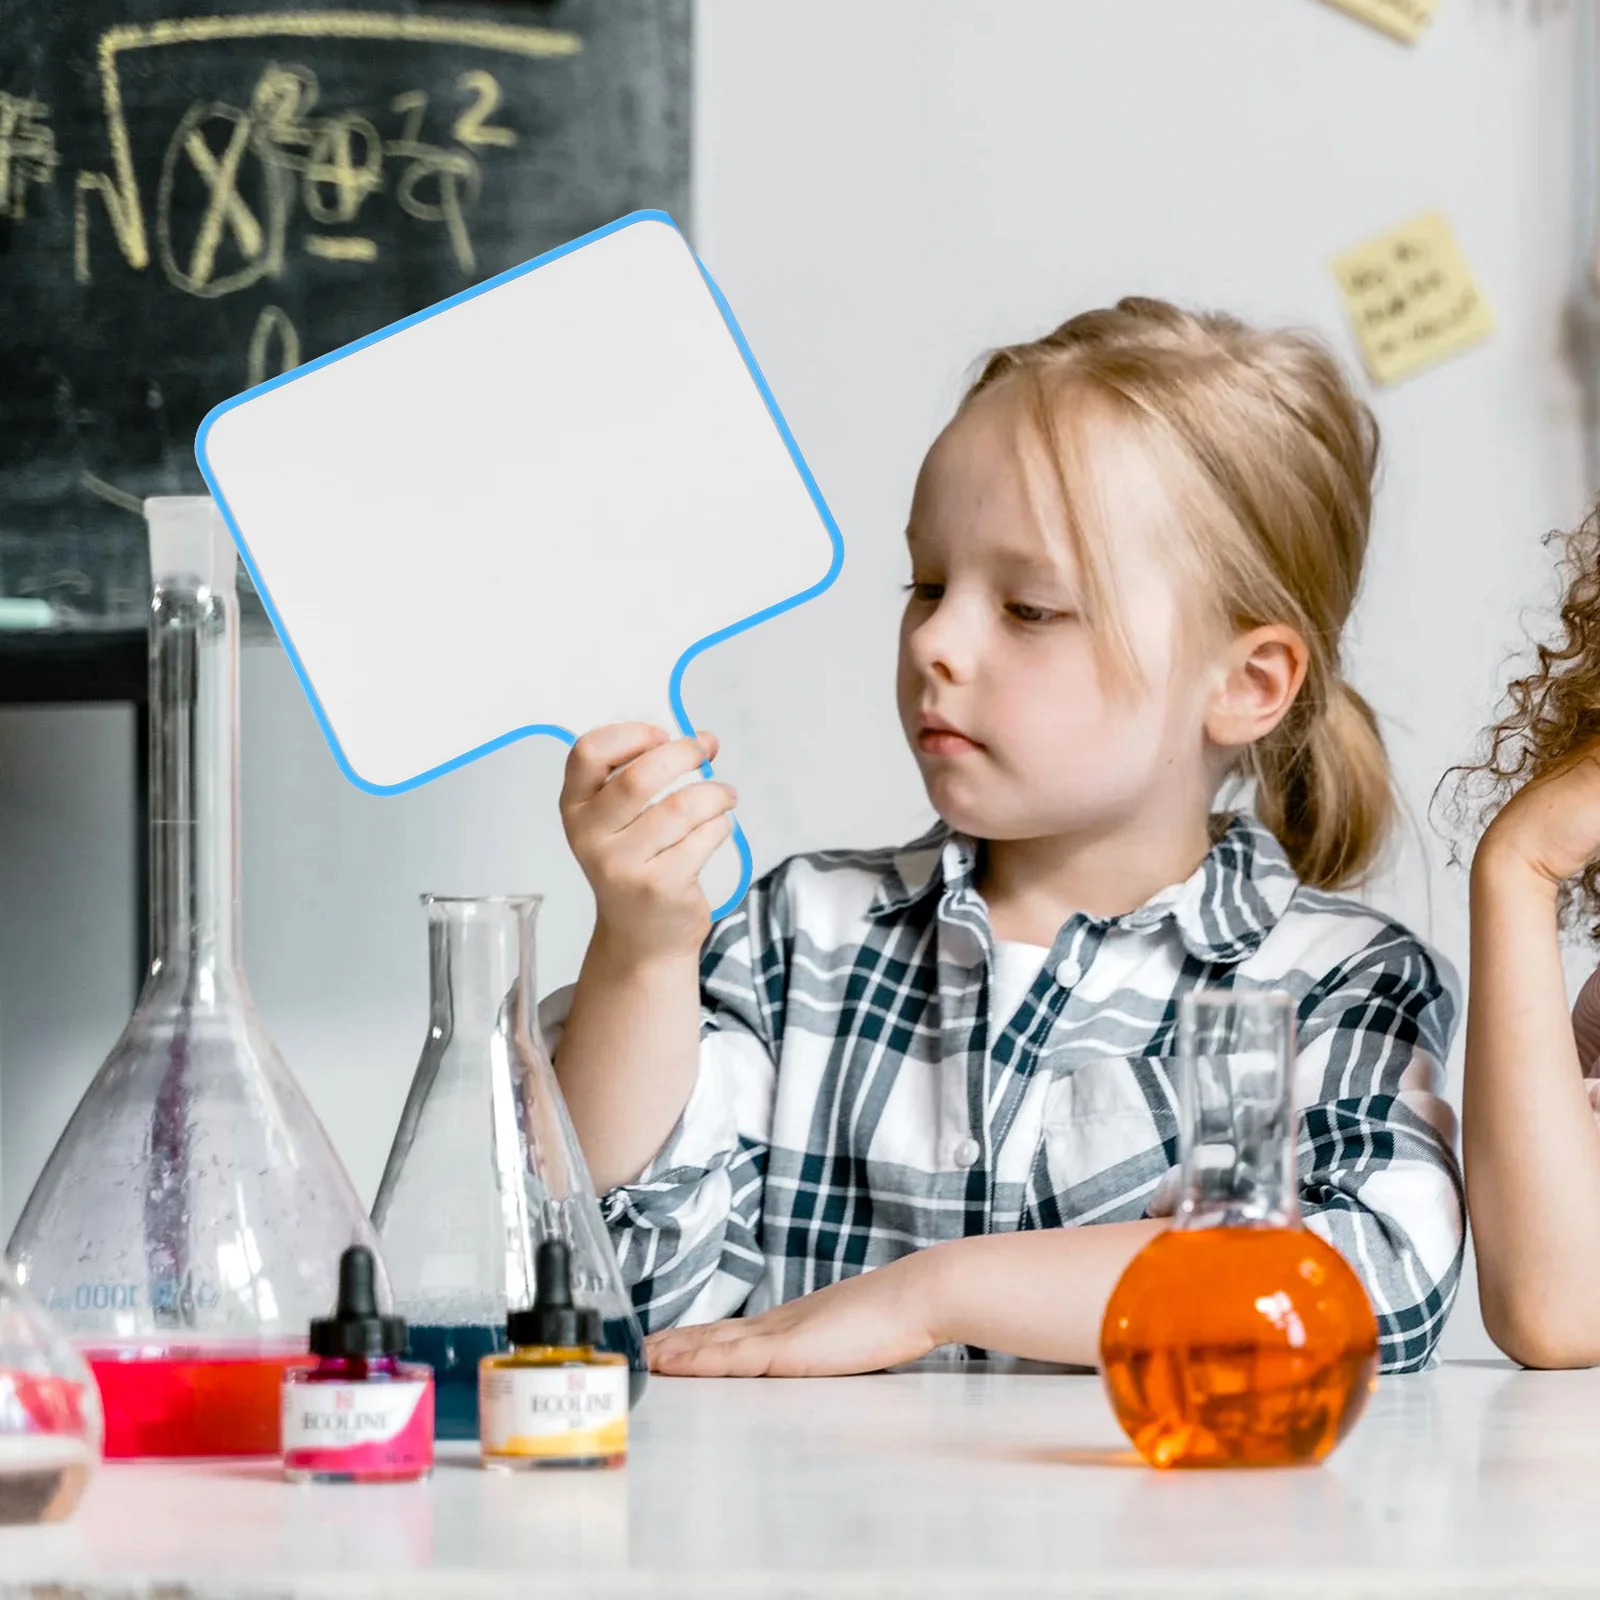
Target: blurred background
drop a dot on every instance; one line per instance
(882, 189)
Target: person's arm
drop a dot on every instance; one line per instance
(630, 1047)
(1531, 1146)
(1039, 1294)
(666, 1051)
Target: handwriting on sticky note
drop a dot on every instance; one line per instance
(1403, 19)
(1412, 298)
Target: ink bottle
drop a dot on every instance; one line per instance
(361, 1414)
(553, 1399)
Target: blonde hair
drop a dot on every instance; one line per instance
(1271, 456)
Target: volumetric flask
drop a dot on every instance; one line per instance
(189, 1222)
(485, 1164)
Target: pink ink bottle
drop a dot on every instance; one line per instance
(361, 1414)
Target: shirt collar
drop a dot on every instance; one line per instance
(1221, 912)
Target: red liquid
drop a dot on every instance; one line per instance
(192, 1404)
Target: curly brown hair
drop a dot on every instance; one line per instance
(1551, 712)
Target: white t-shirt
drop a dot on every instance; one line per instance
(1015, 968)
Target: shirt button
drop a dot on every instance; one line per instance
(1068, 972)
(967, 1152)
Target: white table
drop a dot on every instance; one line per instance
(1475, 1479)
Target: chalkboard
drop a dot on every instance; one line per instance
(194, 197)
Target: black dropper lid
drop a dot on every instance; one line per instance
(355, 1328)
(553, 1318)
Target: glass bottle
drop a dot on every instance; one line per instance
(188, 1224)
(361, 1414)
(1237, 1337)
(555, 1399)
(485, 1165)
(50, 1422)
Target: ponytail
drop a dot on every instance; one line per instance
(1324, 788)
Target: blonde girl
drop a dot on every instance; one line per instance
(875, 1110)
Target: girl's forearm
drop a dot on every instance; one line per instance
(1040, 1294)
(1532, 1152)
(628, 1057)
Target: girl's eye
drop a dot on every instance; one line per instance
(1027, 613)
(925, 591)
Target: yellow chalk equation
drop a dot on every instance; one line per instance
(275, 146)
(1411, 298)
(27, 152)
(1401, 19)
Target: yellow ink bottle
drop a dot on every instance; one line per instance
(553, 1399)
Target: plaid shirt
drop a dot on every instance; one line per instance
(855, 1100)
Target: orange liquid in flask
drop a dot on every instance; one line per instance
(1238, 1347)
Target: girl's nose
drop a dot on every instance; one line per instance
(940, 647)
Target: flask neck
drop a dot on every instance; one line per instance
(194, 785)
(1237, 1126)
(481, 963)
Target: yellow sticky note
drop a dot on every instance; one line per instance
(1412, 298)
(1404, 19)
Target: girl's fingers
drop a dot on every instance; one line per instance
(743, 1355)
(599, 753)
(679, 1344)
(697, 847)
(669, 823)
(629, 793)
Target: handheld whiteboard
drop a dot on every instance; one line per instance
(522, 511)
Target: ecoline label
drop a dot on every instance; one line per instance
(556, 1412)
(355, 1427)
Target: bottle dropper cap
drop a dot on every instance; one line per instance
(554, 1319)
(355, 1328)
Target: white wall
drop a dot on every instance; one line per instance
(883, 188)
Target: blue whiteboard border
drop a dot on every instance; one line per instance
(549, 729)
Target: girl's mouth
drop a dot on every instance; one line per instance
(935, 737)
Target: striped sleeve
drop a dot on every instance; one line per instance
(687, 1231)
(1379, 1178)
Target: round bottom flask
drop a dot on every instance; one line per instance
(1238, 1338)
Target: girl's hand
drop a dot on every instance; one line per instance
(1552, 826)
(644, 861)
(862, 1324)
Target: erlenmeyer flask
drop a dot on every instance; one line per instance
(1237, 1337)
(485, 1164)
(189, 1222)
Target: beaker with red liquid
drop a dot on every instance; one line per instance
(189, 1222)
(1238, 1337)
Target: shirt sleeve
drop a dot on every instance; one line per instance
(1379, 1179)
(687, 1231)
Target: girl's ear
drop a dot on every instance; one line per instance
(1262, 673)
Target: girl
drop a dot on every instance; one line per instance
(1531, 1144)
(1132, 553)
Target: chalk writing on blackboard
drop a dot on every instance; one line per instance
(1412, 298)
(27, 152)
(1402, 19)
(303, 161)
(193, 203)
(340, 158)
